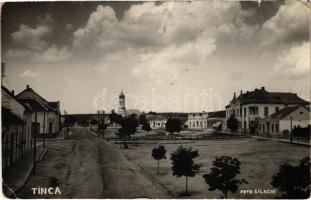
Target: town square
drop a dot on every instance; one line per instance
(157, 100)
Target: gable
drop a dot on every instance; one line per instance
(300, 113)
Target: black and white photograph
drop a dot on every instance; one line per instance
(200, 99)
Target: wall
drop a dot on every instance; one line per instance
(10, 103)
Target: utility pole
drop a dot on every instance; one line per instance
(97, 124)
(35, 144)
(44, 131)
(2, 72)
(291, 129)
(103, 122)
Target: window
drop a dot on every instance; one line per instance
(234, 111)
(277, 109)
(197, 123)
(253, 110)
(244, 111)
(259, 127)
(263, 127)
(266, 111)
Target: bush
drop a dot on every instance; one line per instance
(232, 123)
(285, 133)
(302, 132)
(146, 127)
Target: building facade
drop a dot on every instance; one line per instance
(157, 121)
(249, 107)
(197, 121)
(47, 113)
(283, 121)
(16, 128)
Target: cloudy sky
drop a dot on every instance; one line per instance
(172, 56)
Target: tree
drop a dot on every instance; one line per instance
(146, 127)
(173, 125)
(183, 164)
(142, 118)
(232, 123)
(93, 122)
(115, 118)
(102, 127)
(128, 127)
(158, 153)
(293, 181)
(223, 175)
(70, 120)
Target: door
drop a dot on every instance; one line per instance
(50, 128)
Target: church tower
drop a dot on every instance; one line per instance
(121, 109)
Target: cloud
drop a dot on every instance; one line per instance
(68, 26)
(153, 28)
(290, 24)
(294, 62)
(31, 44)
(53, 54)
(29, 74)
(31, 38)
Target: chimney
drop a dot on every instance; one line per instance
(241, 92)
(27, 87)
(13, 92)
(262, 88)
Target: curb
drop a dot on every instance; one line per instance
(13, 192)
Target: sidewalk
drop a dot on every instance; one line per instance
(283, 140)
(19, 173)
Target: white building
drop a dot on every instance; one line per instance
(281, 122)
(157, 121)
(249, 107)
(197, 121)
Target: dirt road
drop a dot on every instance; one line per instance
(87, 167)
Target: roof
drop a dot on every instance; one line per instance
(34, 104)
(8, 117)
(50, 106)
(121, 95)
(53, 104)
(263, 96)
(217, 114)
(29, 89)
(14, 97)
(156, 117)
(281, 114)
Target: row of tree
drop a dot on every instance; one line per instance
(292, 181)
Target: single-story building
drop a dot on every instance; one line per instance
(284, 120)
(157, 121)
